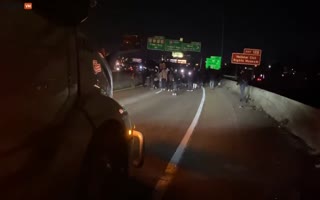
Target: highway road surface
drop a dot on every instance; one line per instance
(202, 145)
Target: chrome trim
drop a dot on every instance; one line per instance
(139, 161)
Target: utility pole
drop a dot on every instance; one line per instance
(222, 33)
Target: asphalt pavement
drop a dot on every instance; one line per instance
(204, 146)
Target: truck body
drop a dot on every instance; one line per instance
(52, 112)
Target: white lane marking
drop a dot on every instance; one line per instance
(159, 91)
(172, 166)
(129, 88)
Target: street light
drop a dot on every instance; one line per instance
(269, 66)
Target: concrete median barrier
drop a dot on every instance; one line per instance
(122, 80)
(300, 119)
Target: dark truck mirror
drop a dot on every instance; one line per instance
(63, 12)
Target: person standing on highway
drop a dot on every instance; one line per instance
(243, 82)
(170, 80)
(144, 74)
(152, 73)
(211, 83)
(156, 80)
(133, 77)
(161, 82)
(175, 82)
(189, 78)
(219, 78)
(195, 79)
(163, 76)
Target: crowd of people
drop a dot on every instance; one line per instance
(173, 79)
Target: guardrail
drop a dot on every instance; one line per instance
(300, 119)
(123, 80)
(234, 78)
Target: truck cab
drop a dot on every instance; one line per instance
(62, 135)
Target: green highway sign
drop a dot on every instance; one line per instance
(173, 45)
(162, 44)
(214, 62)
(156, 43)
(193, 46)
(187, 46)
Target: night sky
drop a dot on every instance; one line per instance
(286, 32)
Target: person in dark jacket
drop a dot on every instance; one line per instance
(219, 78)
(211, 83)
(175, 82)
(144, 77)
(243, 81)
(213, 78)
(170, 80)
(152, 74)
(156, 79)
(190, 79)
